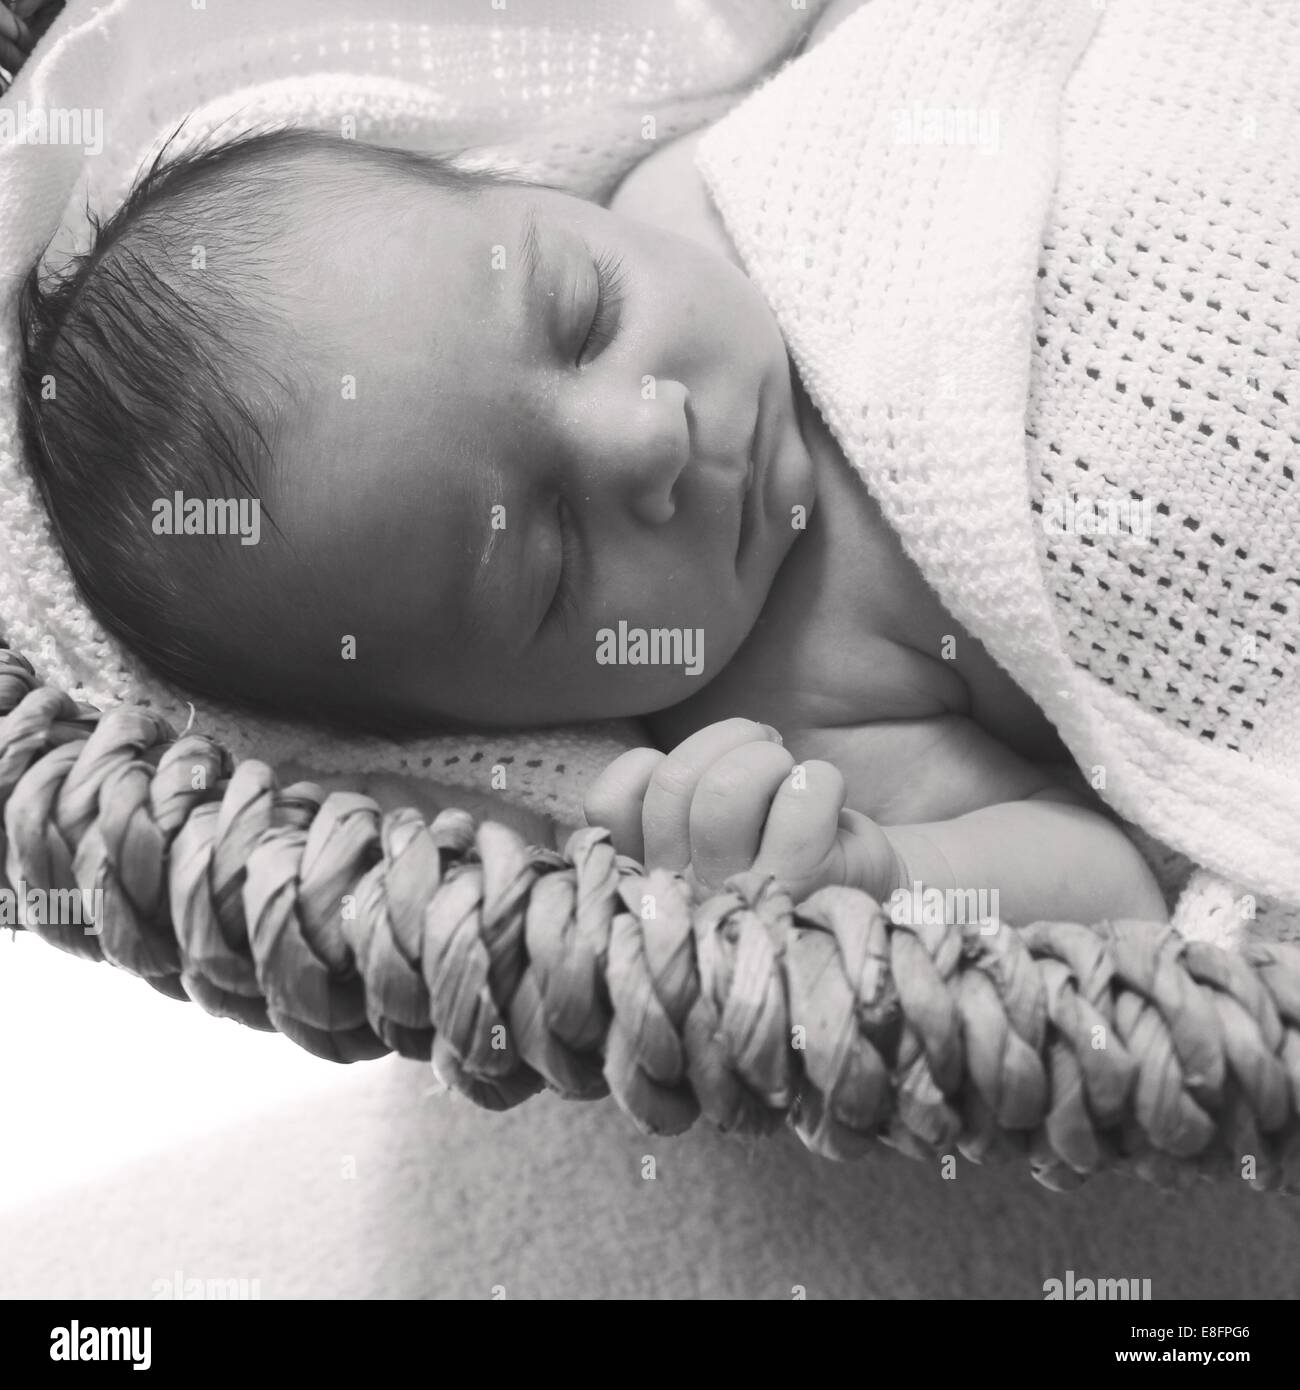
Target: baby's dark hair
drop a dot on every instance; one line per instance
(140, 380)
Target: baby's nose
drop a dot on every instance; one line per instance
(646, 464)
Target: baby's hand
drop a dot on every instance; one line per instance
(15, 40)
(22, 22)
(730, 798)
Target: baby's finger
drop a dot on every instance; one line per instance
(615, 798)
(801, 839)
(39, 14)
(12, 28)
(11, 57)
(666, 821)
(730, 808)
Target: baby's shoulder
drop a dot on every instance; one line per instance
(666, 188)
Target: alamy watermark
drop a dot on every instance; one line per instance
(178, 1286)
(918, 906)
(21, 124)
(77, 1343)
(21, 906)
(1092, 516)
(974, 126)
(179, 515)
(1095, 1289)
(655, 646)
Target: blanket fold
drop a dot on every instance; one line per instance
(1035, 264)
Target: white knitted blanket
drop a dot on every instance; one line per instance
(1038, 264)
(560, 90)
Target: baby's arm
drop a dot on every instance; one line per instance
(1048, 857)
(961, 810)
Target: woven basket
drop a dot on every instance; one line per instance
(513, 968)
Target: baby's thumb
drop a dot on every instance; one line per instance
(614, 800)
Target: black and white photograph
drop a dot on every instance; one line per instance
(649, 651)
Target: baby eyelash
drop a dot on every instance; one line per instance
(610, 282)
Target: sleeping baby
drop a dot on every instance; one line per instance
(497, 437)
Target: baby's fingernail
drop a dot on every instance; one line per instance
(771, 734)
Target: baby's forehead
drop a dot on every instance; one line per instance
(447, 227)
(327, 195)
(406, 313)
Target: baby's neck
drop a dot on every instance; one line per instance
(848, 542)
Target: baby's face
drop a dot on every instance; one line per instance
(503, 487)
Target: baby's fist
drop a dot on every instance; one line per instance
(730, 798)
